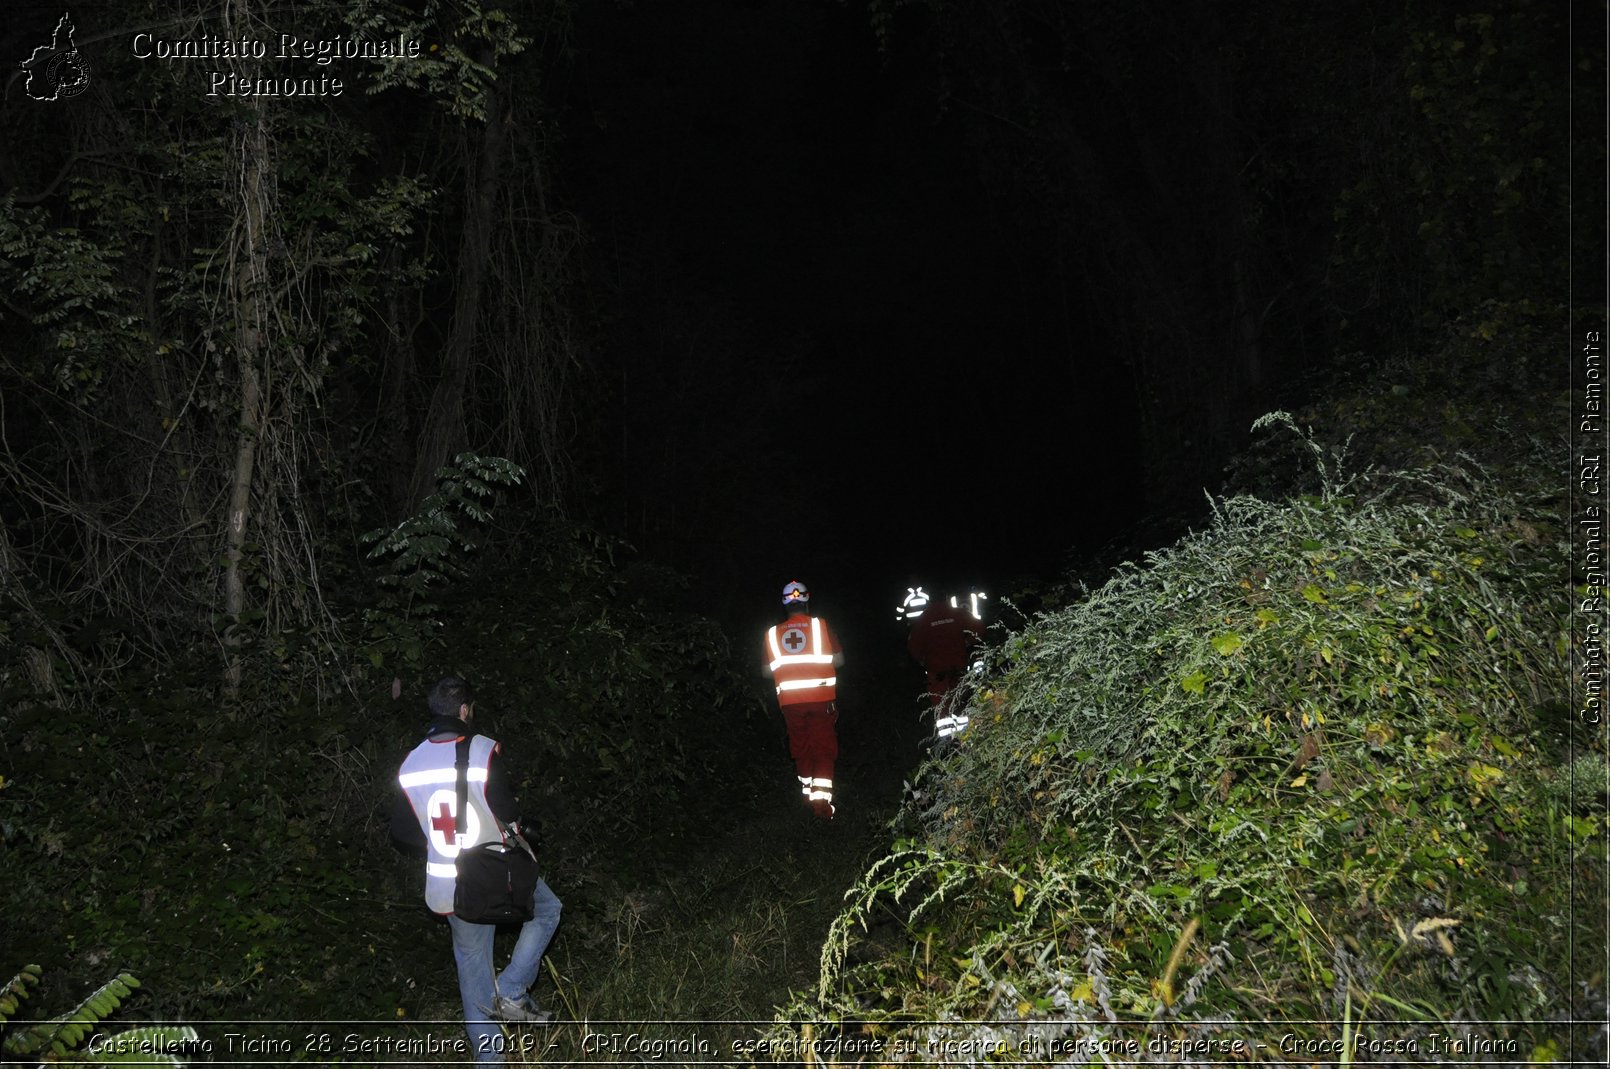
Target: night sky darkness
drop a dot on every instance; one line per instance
(827, 349)
(929, 400)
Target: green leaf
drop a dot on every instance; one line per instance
(1194, 683)
(137, 1046)
(1314, 594)
(1228, 643)
(1578, 829)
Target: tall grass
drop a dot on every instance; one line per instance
(1309, 766)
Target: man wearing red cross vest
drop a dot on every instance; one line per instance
(425, 818)
(804, 658)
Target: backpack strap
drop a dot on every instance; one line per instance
(461, 765)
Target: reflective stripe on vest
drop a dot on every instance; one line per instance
(801, 659)
(806, 684)
(430, 781)
(441, 775)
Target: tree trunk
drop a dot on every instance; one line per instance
(47, 644)
(395, 384)
(247, 288)
(444, 431)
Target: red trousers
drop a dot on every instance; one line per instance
(813, 742)
(942, 681)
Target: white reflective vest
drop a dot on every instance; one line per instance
(912, 607)
(801, 652)
(430, 781)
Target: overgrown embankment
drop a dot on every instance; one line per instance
(1307, 777)
(234, 856)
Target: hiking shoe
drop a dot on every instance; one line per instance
(522, 1012)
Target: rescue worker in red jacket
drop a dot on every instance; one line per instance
(942, 640)
(803, 658)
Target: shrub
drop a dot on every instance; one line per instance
(1302, 766)
(425, 552)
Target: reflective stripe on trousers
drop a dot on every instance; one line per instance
(816, 788)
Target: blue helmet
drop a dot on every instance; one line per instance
(795, 594)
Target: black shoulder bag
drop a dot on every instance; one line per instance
(496, 880)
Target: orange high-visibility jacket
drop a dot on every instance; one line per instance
(801, 653)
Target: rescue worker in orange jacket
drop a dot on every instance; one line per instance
(803, 658)
(942, 640)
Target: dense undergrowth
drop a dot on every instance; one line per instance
(1307, 777)
(1308, 772)
(234, 855)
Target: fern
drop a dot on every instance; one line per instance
(151, 1045)
(60, 1038)
(17, 989)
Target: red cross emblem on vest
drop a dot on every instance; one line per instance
(793, 640)
(443, 822)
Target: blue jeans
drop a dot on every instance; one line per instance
(478, 981)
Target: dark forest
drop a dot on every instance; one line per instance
(1242, 361)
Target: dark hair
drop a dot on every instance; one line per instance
(450, 694)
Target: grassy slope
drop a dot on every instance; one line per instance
(1310, 764)
(705, 902)
(1151, 767)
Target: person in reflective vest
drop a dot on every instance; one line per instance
(426, 816)
(803, 659)
(916, 600)
(942, 641)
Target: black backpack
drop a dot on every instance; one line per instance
(496, 880)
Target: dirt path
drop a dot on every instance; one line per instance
(725, 921)
(704, 931)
